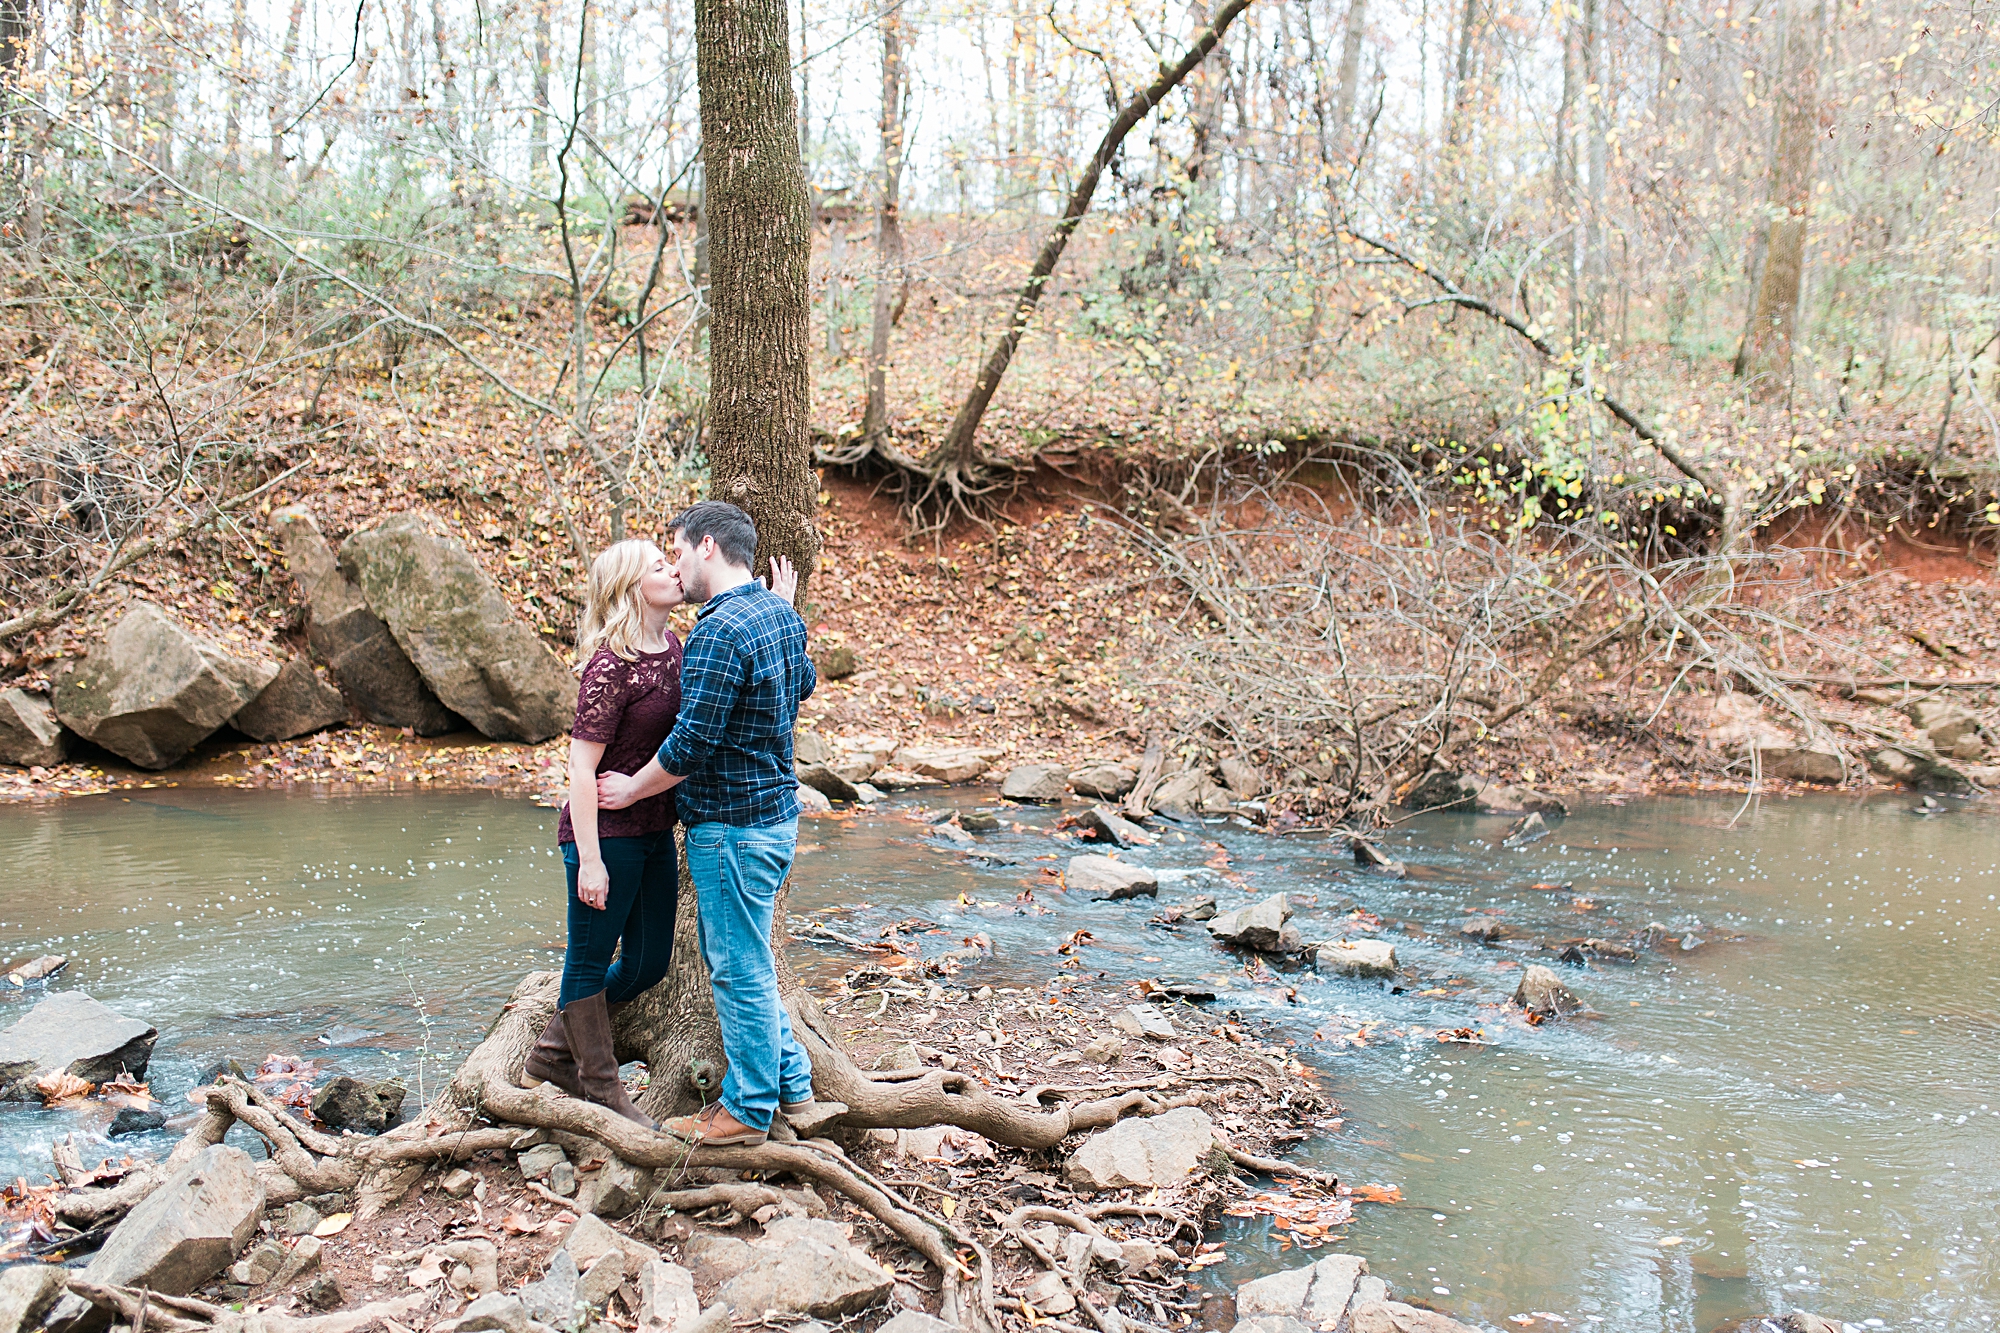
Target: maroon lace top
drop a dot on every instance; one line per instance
(630, 707)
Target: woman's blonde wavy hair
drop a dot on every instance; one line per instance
(613, 610)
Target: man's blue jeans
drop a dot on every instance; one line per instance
(736, 873)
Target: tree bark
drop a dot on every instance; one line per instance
(888, 226)
(959, 449)
(760, 255)
(1765, 354)
(1350, 67)
(538, 148)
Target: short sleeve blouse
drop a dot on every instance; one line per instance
(629, 707)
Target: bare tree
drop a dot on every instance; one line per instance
(888, 224)
(1765, 353)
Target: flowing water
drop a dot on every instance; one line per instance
(1797, 1113)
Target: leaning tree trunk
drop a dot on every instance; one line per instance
(1765, 355)
(759, 255)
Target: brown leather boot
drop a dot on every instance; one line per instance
(550, 1061)
(588, 1024)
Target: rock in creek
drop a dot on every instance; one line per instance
(479, 659)
(1201, 907)
(1468, 791)
(1485, 929)
(131, 1120)
(1370, 857)
(1041, 784)
(944, 763)
(183, 1234)
(368, 1108)
(1192, 793)
(1354, 958)
(27, 1292)
(36, 969)
(1542, 993)
(1142, 1152)
(295, 703)
(29, 730)
(1913, 768)
(357, 647)
(827, 783)
(1317, 1295)
(153, 689)
(1395, 1317)
(1106, 782)
(69, 1032)
(1261, 926)
(1109, 879)
(1104, 824)
(1528, 828)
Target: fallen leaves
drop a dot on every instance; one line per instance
(1374, 1193)
(333, 1225)
(63, 1090)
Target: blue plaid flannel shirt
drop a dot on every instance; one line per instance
(744, 672)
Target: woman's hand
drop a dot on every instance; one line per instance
(783, 579)
(593, 884)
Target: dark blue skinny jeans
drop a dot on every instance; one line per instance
(637, 923)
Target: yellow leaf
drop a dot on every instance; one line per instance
(333, 1226)
(949, 1207)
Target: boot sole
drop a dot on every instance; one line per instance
(754, 1140)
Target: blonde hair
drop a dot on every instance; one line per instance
(613, 609)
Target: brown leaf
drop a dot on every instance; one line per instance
(62, 1089)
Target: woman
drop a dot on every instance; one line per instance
(624, 885)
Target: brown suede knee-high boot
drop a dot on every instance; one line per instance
(588, 1025)
(550, 1060)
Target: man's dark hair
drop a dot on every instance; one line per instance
(735, 535)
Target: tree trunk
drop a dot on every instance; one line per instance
(232, 115)
(283, 86)
(759, 254)
(888, 226)
(958, 452)
(1765, 354)
(538, 148)
(1565, 163)
(1597, 102)
(1350, 67)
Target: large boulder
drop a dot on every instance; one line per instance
(476, 656)
(1260, 926)
(70, 1033)
(1110, 879)
(29, 730)
(1144, 1151)
(945, 763)
(1107, 782)
(1354, 958)
(154, 689)
(352, 640)
(808, 1276)
(295, 703)
(1039, 783)
(822, 779)
(1191, 793)
(1396, 1317)
(1316, 1295)
(27, 1291)
(186, 1231)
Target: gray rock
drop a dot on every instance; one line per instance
(717, 1258)
(295, 703)
(131, 1120)
(496, 1313)
(1192, 793)
(807, 1277)
(1269, 1323)
(357, 647)
(553, 1300)
(153, 689)
(259, 1265)
(1485, 929)
(1801, 763)
(812, 802)
(562, 1179)
(916, 1321)
(589, 1240)
(604, 1277)
(835, 662)
(479, 659)
(458, 1183)
(1542, 993)
(1038, 783)
(1947, 724)
(1243, 778)
(826, 782)
(615, 1189)
(809, 747)
(1354, 958)
(1913, 768)
(367, 1108)
(1110, 879)
(1106, 782)
(29, 730)
(1369, 1290)
(538, 1161)
(1260, 926)
(183, 1234)
(1370, 857)
(1144, 1020)
(943, 763)
(68, 1032)
(1103, 1051)
(1528, 828)
(1049, 1294)
(1201, 907)
(855, 766)
(298, 1219)
(1104, 824)
(27, 1292)
(324, 1293)
(1142, 1152)
(1395, 1317)
(667, 1300)
(1317, 1296)
(1441, 790)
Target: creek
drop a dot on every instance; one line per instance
(1799, 1113)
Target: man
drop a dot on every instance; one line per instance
(744, 672)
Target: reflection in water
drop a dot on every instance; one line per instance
(1789, 1115)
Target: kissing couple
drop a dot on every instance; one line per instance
(699, 733)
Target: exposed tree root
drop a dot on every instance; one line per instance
(149, 1310)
